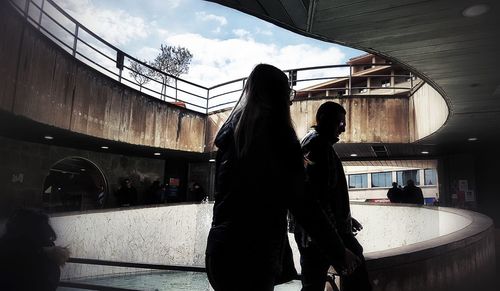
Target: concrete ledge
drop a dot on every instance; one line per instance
(461, 260)
(434, 248)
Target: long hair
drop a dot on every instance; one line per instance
(263, 106)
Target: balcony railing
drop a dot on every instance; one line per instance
(87, 47)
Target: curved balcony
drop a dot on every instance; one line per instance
(72, 79)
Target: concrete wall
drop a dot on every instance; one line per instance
(428, 112)
(42, 82)
(369, 119)
(24, 167)
(407, 247)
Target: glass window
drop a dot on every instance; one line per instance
(430, 177)
(358, 181)
(404, 176)
(381, 179)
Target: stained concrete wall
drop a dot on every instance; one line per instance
(369, 119)
(24, 167)
(42, 82)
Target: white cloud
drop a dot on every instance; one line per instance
(216, 61)
(242, 33)
(115, 26)
(221, 20)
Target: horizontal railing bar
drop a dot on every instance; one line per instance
(96, 50)
(86, 286)
(117, 75)
(136, 265)
(222, 104)
(223, 94)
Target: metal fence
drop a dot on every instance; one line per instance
(87, 47)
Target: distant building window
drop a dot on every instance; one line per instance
(381, 179)
(386, 83)
(358, 181)
(367, 67)
(404, 176)
(430, 177)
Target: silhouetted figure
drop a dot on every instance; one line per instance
(101, 196)
(395, 194)
(412, 194)
(326, 183)
(29, 260)
(197, 192)
(127, 194)
(259, 176)
(153, 193)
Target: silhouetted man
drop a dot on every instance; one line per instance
(395, 194)
(325, 181)
(412, 194)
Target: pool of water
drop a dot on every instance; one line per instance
(163, 281)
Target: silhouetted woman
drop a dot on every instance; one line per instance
(259, 176)
(29, 260)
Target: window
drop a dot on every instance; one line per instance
(358, 181)
(381, 179)
(404, 176)
(430, 177)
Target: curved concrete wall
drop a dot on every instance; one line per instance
(400, 240)
(369, 119)
(428, 112)
(42, 82)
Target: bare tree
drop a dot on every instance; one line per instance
(140, 73)
(172, 60)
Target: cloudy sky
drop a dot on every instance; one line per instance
(225, 43)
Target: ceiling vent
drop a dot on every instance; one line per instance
(380, 151)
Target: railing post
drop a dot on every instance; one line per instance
(208, 97)
(411, 81)
(350, 81)
(40, 16)
(76, 39)
(26, 9)
(175, 89)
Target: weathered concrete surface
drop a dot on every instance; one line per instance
(42, 82)
(369, 119)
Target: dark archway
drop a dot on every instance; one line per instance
(74, 184)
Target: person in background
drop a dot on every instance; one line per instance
(395, 194)
(258, 178)
(326, 183)
(29, 259)
(127, 194)
(412, 194)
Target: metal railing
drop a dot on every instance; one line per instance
(87, 47)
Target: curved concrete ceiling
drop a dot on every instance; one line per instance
(454, 53)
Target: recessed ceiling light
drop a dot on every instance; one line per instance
(212, 160)
(354, 155)
(48, 137)
(82, 169)
(425, 152)
(472, 139)
(475, 10)
(157, 154)
(104, 147)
